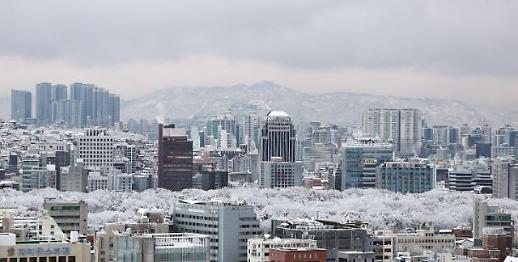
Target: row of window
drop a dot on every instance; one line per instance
(40, 259)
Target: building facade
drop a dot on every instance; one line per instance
(175, 158)
(405, 177)
(360, 160)
(505, 178)
(228, 226)
(21, 105)
(69, 215)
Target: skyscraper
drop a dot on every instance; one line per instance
(278, 137)
(94, 106)
(46, 95)
(400, 126)
(505, 178)
(278, 141)
(175, 158)
(21, 105)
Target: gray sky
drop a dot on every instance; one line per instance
(463, 49)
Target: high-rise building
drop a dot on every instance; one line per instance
(46, 95)
(505, 178)
(21, 105)
(94, 106)
(228, 225)
(278, 167)
(278, 137)
(360, 160)
(406, 177)
(399, 126)
(175, 158)
(95, 148)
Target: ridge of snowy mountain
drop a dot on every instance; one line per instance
(337, 107)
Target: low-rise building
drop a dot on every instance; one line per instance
(34, 250)
(259, 248)
(162, 247)
(69, 215)
(429, 238)
(298, 255)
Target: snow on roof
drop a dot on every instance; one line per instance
(278, 114)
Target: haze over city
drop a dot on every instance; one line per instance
(461, 50)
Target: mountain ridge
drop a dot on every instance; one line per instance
(334, 107)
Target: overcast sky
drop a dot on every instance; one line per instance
(462, 49)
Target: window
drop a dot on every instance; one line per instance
(62, 259)
(71, 259)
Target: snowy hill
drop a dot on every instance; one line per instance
(342, 107)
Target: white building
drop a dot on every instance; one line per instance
(439, 241)
(228, 226)
(259, 248)
(95, 148)
(383, 242)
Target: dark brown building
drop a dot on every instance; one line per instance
(175, 159)
(297, 255)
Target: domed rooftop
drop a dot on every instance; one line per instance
(277, 114)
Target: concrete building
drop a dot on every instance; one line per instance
(259, 248)
(426, 239)
(21, 105)
(95, 148)
(73, 178)
(469, 176)
(96, 181)
(175, 158)
(383, 242)
(489, 217)
(27, 228)
(297, 255)
(163, 247)
(228, 226)
(278, 174)
(345, 256)
(69, 215)
(406, 177)
(332, 236)
(148, 222)
(505, 178)
(360, 160)
(34, 250)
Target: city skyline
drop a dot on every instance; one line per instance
(259, 131)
